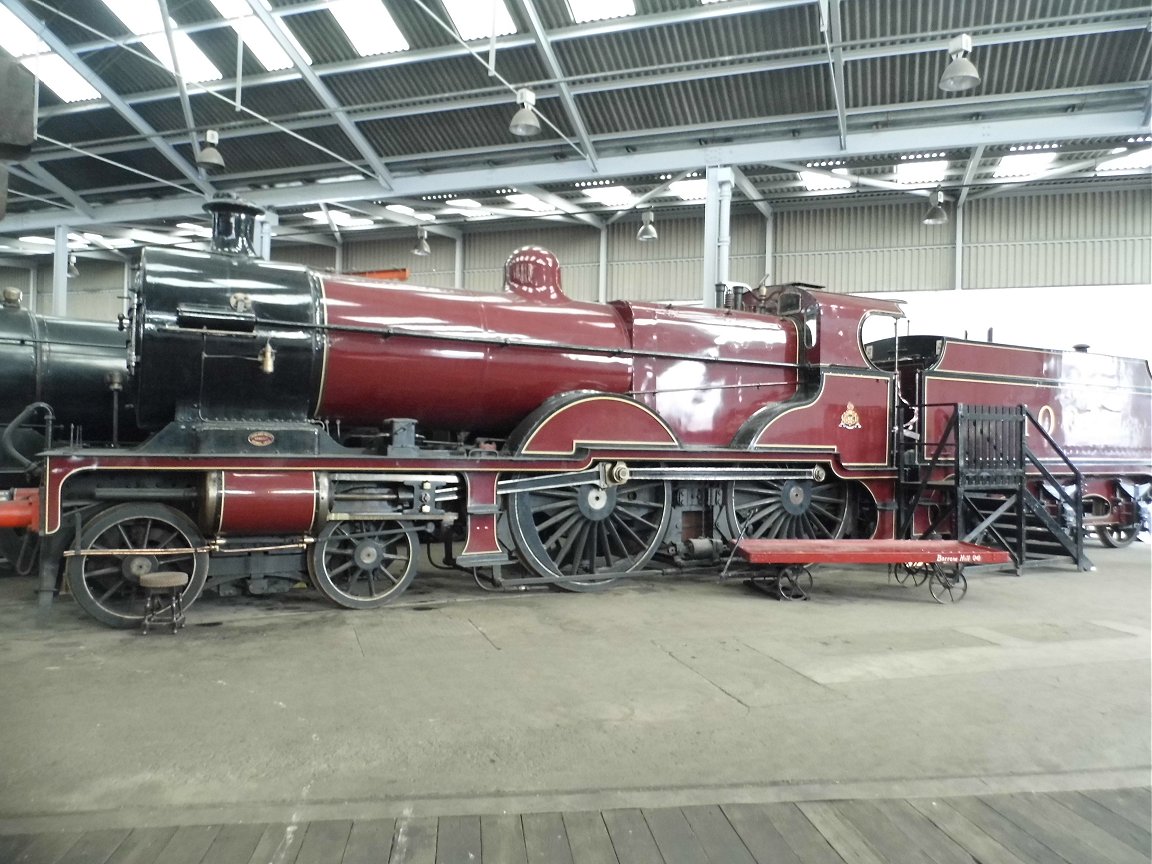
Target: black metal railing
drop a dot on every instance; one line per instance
(983, 453)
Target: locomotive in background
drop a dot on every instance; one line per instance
(282, 418)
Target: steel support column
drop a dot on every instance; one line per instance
(458, 264)
(602, 270)
(60, 272)
(717, 210)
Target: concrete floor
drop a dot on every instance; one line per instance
(659, 693)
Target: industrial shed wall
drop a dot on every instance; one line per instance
(1009, 241)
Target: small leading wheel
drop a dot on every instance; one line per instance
(125, 542)
(1117, 536)
(795, 583)
(947, 586)
(363, 563)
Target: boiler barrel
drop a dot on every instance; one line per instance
(227, 336)
(462, 360)
(67, 363)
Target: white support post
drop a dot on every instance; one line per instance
(458, 265)
(717, 212)
(958, 249)
(267, 222)
(769, 249)
(602, 272)
(60, 273)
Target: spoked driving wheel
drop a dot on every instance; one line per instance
(363, 563)
(790, 509)
(588, 535)
(125, 542)
(947, 586)
(1117, 536)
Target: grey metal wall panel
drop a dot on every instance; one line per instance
(1097, 238)
(97, 294)
(436, 270)
(864, 248)
(316, 257)
(670, 267)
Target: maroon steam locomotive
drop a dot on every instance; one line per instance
(295, 419)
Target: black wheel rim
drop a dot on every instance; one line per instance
(1117, 536)
(124, 543)
(790, 509)
(590, 535)
(361, 563)
(948, 587)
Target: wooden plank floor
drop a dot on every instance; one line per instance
(1091, 827)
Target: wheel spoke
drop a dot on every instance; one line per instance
(336, 571)
(103, 571)
(789, 509)
(104, 597)
(340, 568)
(588, 534)
(142, 534)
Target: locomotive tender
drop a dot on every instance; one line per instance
(293, 418)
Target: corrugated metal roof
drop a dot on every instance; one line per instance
(644, 93)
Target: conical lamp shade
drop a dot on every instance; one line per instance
(210, 158)
(961, 74)
(936, 215)
(525, 123)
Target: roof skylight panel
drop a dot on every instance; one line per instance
(257, 38)
(34, 54)
(920, 170)
(480, 19)
(599, 10)
(57, 75)
(1138, 160)
(144, 20)
(611, 196)
(689, 190)
(815, 182)
(525, 201)
(1024, 166)
(368, 27)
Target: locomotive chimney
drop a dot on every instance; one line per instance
(233, 225)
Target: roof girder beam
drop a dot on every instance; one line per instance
(544, 46)
(922, 43)
(830, 29)
(36, 173)
(113, 99)
(756, 152)
(563, 205)
(1038, 97)
(347, 126)
(749, 190)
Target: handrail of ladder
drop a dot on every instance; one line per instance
(1075, 501)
